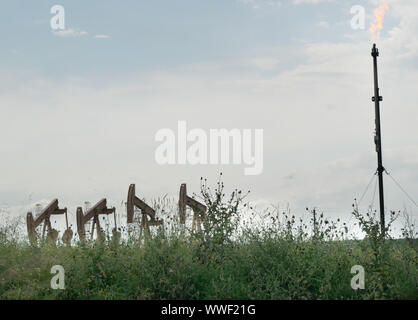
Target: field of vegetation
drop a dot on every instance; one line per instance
(284, 258)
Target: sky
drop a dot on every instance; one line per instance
(80, 107)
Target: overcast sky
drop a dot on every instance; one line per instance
(80, 108)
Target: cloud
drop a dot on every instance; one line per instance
(261, 3)
(401, 40)
(323, 24)
(97, 139)
(311, 1)
(330, 154)
(70, 33)
(256, 4)
(101, 36)
(265, 64)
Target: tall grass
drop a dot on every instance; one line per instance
(231, 258)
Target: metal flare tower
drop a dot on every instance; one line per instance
(378, 139)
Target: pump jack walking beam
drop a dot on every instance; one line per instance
(378, 139)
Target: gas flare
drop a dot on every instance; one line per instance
(379, 15)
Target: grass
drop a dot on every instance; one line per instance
(227, 260)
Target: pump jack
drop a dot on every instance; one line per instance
(44, 216)
(94, 212)
(146, 211)
(199, 209)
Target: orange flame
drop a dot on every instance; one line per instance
(379, 15)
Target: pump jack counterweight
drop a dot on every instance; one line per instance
(378, 139)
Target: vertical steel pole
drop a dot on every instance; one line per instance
(378, 139)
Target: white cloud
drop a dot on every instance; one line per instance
(97, 140)
(101, 36)
(69, 33)
(323, 24)
(261, 3)
(106, 140)
(256, 4)
(265, 64)
(311, 1)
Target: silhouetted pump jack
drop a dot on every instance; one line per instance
(98, 209)
(45, 218)
(148, 214)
